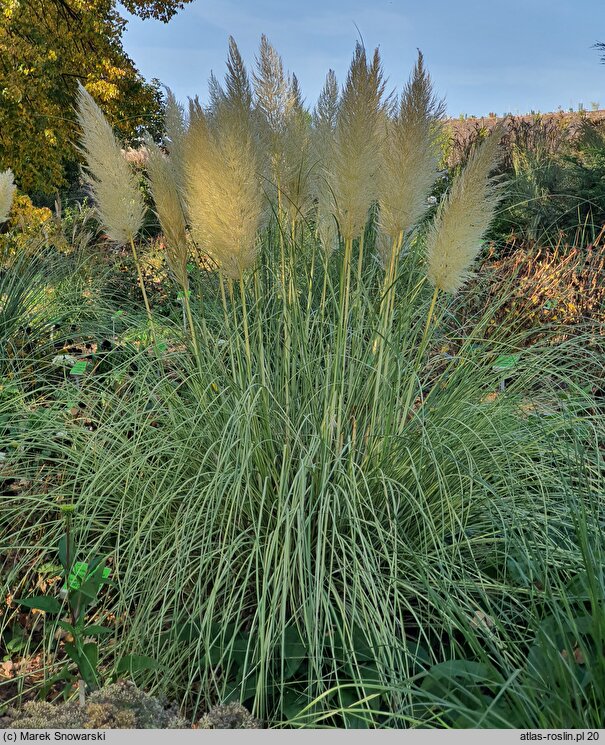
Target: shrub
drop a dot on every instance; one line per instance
(554, 166)
(26, 227)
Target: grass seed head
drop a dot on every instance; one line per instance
(327, 230)
(238, 90)
(225, 201)
(296, 167)
(236, 94)
(164, 190)
(325, 116)
(114, 187)
(271, 86)
(176, 132)
(7, 193)
(410, 155)
(283, 132)
(355, 146)
(454, 238)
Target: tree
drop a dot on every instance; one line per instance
(46, 46)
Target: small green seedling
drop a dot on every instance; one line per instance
(83, 582)
(505, 363)
(78, 574)
(78, 369)
(117, 315)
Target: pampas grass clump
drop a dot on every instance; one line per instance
(454, 238)
(7, 193)
(312, 521)
(118, 199)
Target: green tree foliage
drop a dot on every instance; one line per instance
(46, 46)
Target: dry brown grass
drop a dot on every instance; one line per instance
(564, 285)
(550, 132)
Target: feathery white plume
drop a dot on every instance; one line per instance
(115, 188)
(7, 193)
(454, 238)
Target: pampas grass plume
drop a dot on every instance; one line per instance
(410, 156)
(325, 116)
(238, 91)
(224, 197)
(271, 86)
(114, 187)
(280, 128)
(176, 132)
(454, 238)
(297, 165)
(353, 162)
(169, 211)
(7, 193)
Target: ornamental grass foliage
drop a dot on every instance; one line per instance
(329, 501)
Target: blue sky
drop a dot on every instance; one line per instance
(484, 55)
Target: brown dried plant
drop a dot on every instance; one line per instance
(136, 157)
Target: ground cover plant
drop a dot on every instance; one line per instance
(322, 490)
